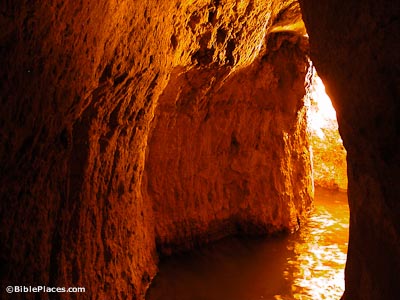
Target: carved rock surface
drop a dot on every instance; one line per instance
(230, 154)
(80, 83)
(355, 48)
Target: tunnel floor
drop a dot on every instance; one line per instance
(306, 265)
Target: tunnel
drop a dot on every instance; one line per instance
(131, 130)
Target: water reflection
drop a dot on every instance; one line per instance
(306, 265)
(317, 267)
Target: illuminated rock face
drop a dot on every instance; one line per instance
(230, 154)
(80, 84)
(329, 159)
(355, 46)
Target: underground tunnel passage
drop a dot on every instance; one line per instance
(308, 264)
(131, 130)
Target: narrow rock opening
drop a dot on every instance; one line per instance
(328, 153)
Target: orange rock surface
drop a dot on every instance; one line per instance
(131, 125)
(80, 87)
(229, 152)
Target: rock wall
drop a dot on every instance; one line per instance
(229, 153)
(80, 82)
(355, 47)
(78, 91)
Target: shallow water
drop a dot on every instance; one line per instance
(307, 265)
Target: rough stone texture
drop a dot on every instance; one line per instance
(78, 92)
(79, 84)
(231, 155)
(355, 47)
(329, 159)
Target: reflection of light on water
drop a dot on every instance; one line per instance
(316, 270)
(306, 265)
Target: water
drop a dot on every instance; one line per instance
(308, 265)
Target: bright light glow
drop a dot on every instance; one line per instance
(328, 153)
(323, 101)
(322, 114)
